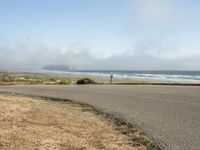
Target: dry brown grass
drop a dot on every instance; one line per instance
(31, 123)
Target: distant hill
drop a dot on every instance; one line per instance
(58, 67)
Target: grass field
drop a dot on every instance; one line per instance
(27, 78)
(35, 123)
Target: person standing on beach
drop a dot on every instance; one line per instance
(111, 77)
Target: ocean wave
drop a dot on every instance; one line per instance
(173, 76)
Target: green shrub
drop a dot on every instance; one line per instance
(52, 79)
(85, 81)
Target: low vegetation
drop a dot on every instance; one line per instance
(86, 81)
(26, 78)
(64, 82)
(36, 123)
(33, 79)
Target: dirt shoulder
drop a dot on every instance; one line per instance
(35, 123)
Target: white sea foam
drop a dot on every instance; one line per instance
(173, 76)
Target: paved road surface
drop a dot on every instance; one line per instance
(170, 114)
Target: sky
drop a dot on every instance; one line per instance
(100, 34)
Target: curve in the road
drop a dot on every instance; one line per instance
(169, 114)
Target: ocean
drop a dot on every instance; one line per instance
(166, 76)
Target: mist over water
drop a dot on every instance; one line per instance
(165, 76)
(101, 35)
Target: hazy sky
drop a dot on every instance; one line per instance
(100, 34)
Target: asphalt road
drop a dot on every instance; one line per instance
(169, 114)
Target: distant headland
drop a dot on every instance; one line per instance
(59, 67)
